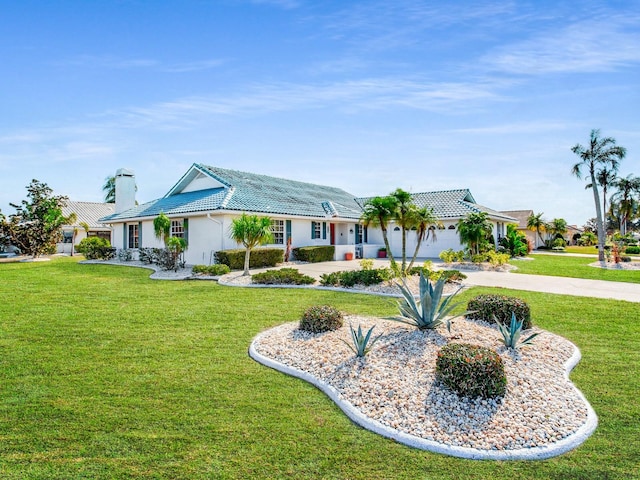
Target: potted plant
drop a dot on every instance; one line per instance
(382, 252)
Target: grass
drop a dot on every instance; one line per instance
(107, 374)
(572, 267)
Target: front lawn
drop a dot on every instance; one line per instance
(107, 374)
(573, 267)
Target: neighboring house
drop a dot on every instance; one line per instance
(87, 215)
(203, 203)
(522, 217)
(573, 234)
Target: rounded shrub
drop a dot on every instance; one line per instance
(321, 318)
(471, 371)
(499, 308)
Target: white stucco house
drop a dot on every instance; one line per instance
(203, 203)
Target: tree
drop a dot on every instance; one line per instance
(604, 153)
(515, 242)
(36, 226)
(627, 204)
(109, 189)
(605, 177)
(251, 231)
(162, 228)
(404, 215)
(422, 219)
(378, 212)
(474, 230)
(556, 228)
(536, 223)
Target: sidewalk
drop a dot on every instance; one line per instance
(535, 283)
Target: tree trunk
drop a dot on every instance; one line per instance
(247, 256)
(599, 223)
(386, 244)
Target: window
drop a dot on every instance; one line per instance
(277, 227)
(133, 236)
(315, 230)
(67, 237)
(361, 234)
(177, 228)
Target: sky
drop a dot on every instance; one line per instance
(367, 96)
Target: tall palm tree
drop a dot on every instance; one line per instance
(422, 219)
(606, 177)
(601, 152)
(536, 223)
(109, 189)
(378, 212)
(627, 204)
(251, 231)
(404, 217)
(474, 229)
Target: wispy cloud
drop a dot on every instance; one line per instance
(286, 4)
(116, 63)
(515, 128)
(597, 45)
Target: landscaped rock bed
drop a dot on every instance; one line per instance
(393, 390)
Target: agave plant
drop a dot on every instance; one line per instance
(431, 309)
(361, 343)
(512, 334)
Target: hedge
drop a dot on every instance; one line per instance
(261, 257)
(315, 254)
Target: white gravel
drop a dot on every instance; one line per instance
(541, 415)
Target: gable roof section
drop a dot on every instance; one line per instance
(246, 192)
(522, 216)
(88, 212)
(450, 204)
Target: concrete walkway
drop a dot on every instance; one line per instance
(535, 283)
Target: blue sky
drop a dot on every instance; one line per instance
(366, 96)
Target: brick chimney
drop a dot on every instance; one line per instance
(125, 190)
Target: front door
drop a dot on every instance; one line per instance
(332, 233)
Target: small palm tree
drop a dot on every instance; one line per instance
(603, 153)
(627, 204)
(422, 219)
(474, 230)
(162, 228)
(556, 228)
(536, 223)
(378, 212)
(251, 231)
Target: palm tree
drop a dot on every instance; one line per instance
(627, 204)
(536, 223)
(251, 231)
(601, 152)
(109, 189)
(422, 219)
(474, 229)
(378, 212)
(556, 228)
(403, 215)
(162, 228)
(605, 177)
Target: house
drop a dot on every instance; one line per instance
(86, 223)
(204, 202)
(522, 217)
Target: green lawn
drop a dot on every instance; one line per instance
(573, 267)
(107, 374)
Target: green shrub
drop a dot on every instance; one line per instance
(498, 308)
(625, 259)
(214, 270)
(471, 371)
(632, 250)
(314, 254)
(96, 248)
(260, 257)
(366, 264)
(321, 318)
(449, 256)
(435, 275)
(350, 278)
(283, 276)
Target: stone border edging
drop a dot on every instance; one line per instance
(534, 453)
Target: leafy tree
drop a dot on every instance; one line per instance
(536, 223)
(603, 153)
(588, 238)
(378, 212)
(162, 228)
(474, 231)
(514, 242)
(36, 226)
(176, 246)
(251, 231)
(422, 219)
(109, 189)
(556, 228)
(627, 204)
